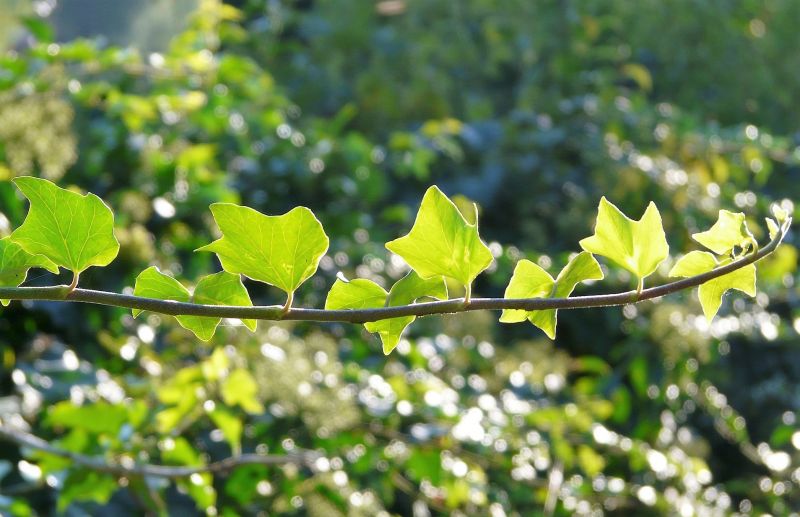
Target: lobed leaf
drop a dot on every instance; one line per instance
(730, 231)
(638, 246)
(442, 243)
(355, 294)
(15, 263)
(283, 250)
(366, 294)
(711, 292)
(71, 230)
(531, 281)
(221, 288)
(406, 291)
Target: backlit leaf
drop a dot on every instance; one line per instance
(711, 292)
(531, 281)
(15, 263)
(71, 230)
(405, 291)
(223, 288)
(638, 246)
(728, 232)
(218, 289)
(528, 281)
(366, 294)
(282, 250)
(442, 243)
(355, 294)
(773, 228)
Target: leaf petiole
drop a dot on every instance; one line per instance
(288, 304)
(74, 284)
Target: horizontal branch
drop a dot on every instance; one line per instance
(101, 464)
(278, 313)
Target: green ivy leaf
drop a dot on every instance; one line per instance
(772, 227)
(412, 287)
(528, 281)
(218, 289)
(224, 288)
(711, 292)
(638, 246)
(405, 291)
(283, 250)
(15, 263)
(531, 281)
(366, 294)
(442, 243)
(728, 232)
(240, 388)
(355, 294)
(71, 230)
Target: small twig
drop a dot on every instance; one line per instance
(100, 464)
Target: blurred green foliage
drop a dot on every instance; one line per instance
(533, 110)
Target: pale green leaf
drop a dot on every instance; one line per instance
(773, 228)
(71, 230)
(531, 281)
(581, 268)
(442, 243)
(355, 294)
(728, 232)
(528, 281)
(218, 289)
(15, 263)
(693, 263)
(780, 214)
(711, 292)
(152, 283)
(638, 246)
(282, 250)
(223, 288)
(413, 287)
(239, 388)
(406, 291)
(366, 294)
